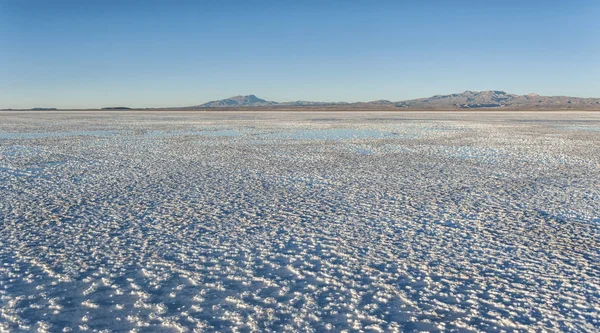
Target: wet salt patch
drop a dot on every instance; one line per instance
(590, 128)
(364, 151)
(430, 127)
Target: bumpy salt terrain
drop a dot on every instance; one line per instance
(308, 222)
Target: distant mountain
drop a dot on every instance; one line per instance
(238, 101)
(498, 99)
(116, 108)
(380, 102)
(490, 99)
(253, 101)
(309, 103)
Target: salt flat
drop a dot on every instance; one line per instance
(271, 222)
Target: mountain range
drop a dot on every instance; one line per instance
(490, 99)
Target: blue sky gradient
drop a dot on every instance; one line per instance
(74, 54)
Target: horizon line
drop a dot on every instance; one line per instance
(41, 108)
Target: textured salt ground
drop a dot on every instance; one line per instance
(299, 222)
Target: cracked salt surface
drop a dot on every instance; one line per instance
(40, 135)
(276, 222)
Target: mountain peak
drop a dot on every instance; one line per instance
(484, 92)
(238, 101)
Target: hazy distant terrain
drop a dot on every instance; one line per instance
(303, 222)
(500, 99)
(466, 100)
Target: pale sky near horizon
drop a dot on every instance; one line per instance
(78, 54)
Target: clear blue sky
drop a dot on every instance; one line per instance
(95, 53)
